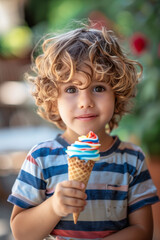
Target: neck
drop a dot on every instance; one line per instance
(70, 138)
(106, 143)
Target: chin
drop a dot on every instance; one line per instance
(83, 131)
(86, 131)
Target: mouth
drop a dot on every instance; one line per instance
(87, 117)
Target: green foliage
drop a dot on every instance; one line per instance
(127, 17)
(16, 41)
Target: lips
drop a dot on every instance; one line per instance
(87, 117)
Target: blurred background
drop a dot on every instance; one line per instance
(22, 24)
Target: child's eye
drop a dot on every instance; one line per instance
(99, 89)
(71, 90)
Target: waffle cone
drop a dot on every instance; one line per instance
(79, 170)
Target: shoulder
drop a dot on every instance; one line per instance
(49, 147)
(131, 149)
(46, 153)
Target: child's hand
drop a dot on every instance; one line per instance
(68, 198)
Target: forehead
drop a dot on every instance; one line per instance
(84, 75)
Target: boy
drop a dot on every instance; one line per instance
(84, 82)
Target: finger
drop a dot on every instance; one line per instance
(74, 193)
(73, 184)
(74, 202)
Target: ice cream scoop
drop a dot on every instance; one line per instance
(87, 148)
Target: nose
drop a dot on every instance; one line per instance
(85, 99)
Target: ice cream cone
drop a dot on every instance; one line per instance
(79, 170)
(82, 155)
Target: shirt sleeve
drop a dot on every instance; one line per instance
(142, 190)
(30, 187)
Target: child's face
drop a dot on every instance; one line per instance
(84, 110)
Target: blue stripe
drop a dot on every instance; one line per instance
(92, 226)
(80, 146)
(142, 177)
(103, 195)
(55, 170)
(138, 154)
(43, 152)
(113, 167)
(32, 180)
(106, 195)
(143, 203)
(88, 140)
(18, 202)
(104, 166)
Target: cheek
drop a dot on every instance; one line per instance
(110, 102)
(63, 108)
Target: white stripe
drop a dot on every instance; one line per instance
(141, 191)
(102, 210)
(32, 194)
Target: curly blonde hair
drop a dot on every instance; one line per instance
(66, 53)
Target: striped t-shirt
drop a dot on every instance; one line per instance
(119, 184)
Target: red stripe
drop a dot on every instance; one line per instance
(32, 160)
(81, 234)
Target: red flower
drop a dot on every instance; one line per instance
(138, 43)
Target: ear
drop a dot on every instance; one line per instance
(116, 111)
